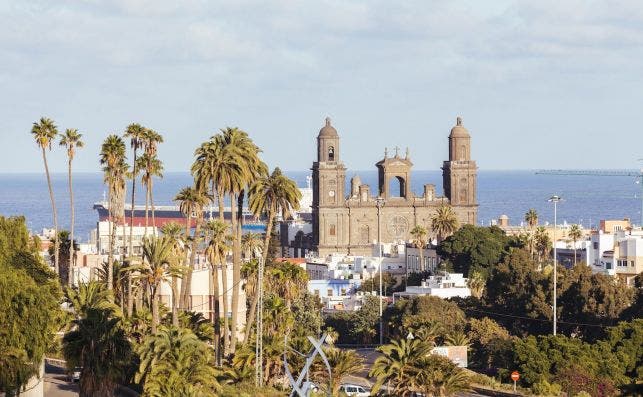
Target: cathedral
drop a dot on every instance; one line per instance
(347, 222)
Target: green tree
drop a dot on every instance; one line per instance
(175, 362)
(531, 217)
(72, 141)
(91, 295)
(45, 132)
(444, 222)
(437, 376)
(158, 267)
(112, 158)
(343, 363)
(474, 248)
(191, 201)
(30, 301)
(64, 253)
(476, 284)
(151, 167)
(216, 251)
(575, 233)
(173, 231)
(135, 133)
(100, 346)
(397, 366)
(251, 244)
(490, 344)
(420, 237)
(425, 311)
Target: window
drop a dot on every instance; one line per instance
(316, 292)
(595, 245)
(332, 230)
(329, 292)
(343, 291)
(331, 153)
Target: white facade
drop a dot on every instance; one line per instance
(121, 243)
(449, 285)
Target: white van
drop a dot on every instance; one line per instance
(354, 391)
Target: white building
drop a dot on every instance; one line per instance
(121, 243)
(445, 286)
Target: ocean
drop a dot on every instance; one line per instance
(587, 199)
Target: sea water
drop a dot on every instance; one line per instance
(586, 199)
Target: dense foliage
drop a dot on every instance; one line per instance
(29, 298)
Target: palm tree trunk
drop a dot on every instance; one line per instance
(236, 270)
(223, 299)
(155, 309)
(255, 297)
(175, 309)
(110, 260)
(217, 313)
(55, 213)
(130, 300)
(152, 204)
(188, 276)
(182, 297)
(72, 250)
(422, 269)
(147, 201)
(574, 252)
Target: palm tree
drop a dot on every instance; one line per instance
(157, 268)
(419, 234)
(531, 217)
(112, 158)
(135, 133)
(174, 232)
(92, 295)
(100, 347)
(151, 167)
(45, 132)
(542, 243)
(270, 195)
(251, 244)
(342, 363)
(191, 201)
(575, 233)
(216, 252)
(457, 339)
(396, 364)
(476, 284)
(71, 140)
(288, 281)
(175, 362)
(435, 375)
(444, 222)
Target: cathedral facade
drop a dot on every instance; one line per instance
(347, 222)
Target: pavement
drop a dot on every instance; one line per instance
(56, 383)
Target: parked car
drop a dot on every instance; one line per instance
(74, 374)
(355, 390)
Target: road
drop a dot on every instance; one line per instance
(56, 384)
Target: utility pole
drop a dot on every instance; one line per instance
(555, 200)
(379, 202)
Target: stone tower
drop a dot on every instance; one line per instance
(329, 174)
(459, 173)
(394, 176)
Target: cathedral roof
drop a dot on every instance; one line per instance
(395, 160)
(458, 131)
(328, 130)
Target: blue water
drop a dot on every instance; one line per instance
(587, 199)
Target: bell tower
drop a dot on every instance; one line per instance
(459, 173)
(329, 175)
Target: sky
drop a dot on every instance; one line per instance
(539, 84)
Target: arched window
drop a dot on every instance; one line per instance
(331, 153)
(397, 187)
(332, 230)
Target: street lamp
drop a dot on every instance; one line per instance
(555, 200)
(379, 202)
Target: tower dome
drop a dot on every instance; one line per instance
(458, 131)
(328, 130)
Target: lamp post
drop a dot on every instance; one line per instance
(379, 202)
(555, 200)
